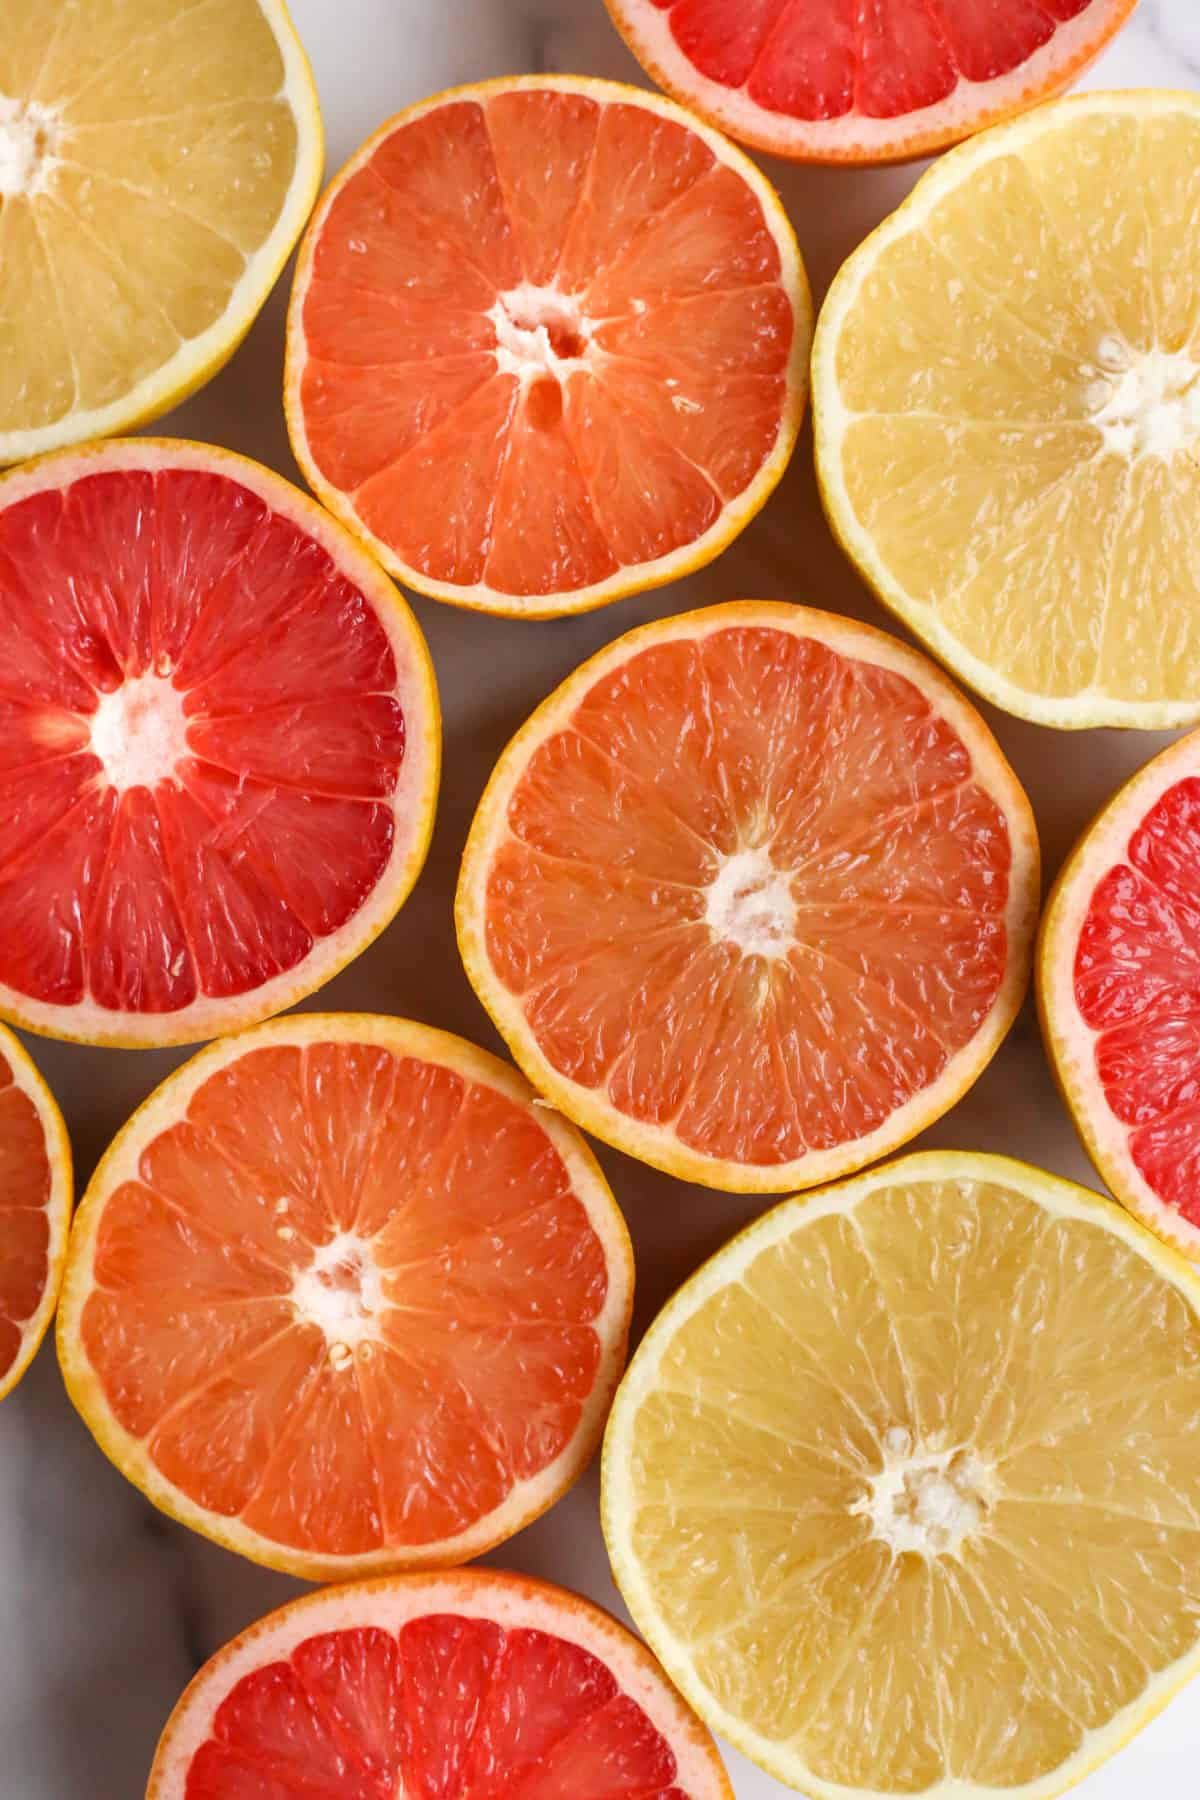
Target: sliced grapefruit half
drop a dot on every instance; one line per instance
(903, 1485)
(836, 81)
(1006, 391)
(752, 895)
(548, 344)
(342, 1297)
(1118, 979)
(219, 739)
(479, 1683)
(157, 163)
(35, 1208)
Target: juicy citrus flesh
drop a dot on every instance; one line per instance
(746, 888)
(542, 336)
(347, 1300)
(209, 733)
(483, 1684)
(528, 1714)
(35, 1198)
(1009, 417)
(1137, 987)
(1119, 988)
(156, 164)
(849, 82)
(905, 1486)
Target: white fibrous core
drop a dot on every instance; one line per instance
(30, 135)
(340, 1292)
(927, 1502)
(539, 332)
(749, 904)
(139, 731)
(1144, 402)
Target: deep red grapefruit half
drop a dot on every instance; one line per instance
(219, 743)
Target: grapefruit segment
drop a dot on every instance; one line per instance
(837, 81)
(222, 731)
(482, 1683)
(341, 1298)
(507, 337)
(751, 895)
(35, 1208)
(1119, 989)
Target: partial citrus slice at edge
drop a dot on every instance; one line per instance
(157, 179)
(1117, 984)
(549, 1695)
(839, 84)
(35, 1208)
(547, 344)
(752, 895)
(344, 1298)
(918, 1450)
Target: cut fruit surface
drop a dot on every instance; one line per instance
(1006, 384)
(903, 1486)
(341, 1298)
(548, 344)
(219, 733)
(35, 1208)
(157, 163)
(752, 895)
(475, 1683)
(837, 81)
(1119, 991)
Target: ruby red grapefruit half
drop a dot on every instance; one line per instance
(548, 344)
(434, 1687)
(1118, 975)
(344, 1298)
(219, 740)
(840, 81)
(35, 1208)
(752, 895)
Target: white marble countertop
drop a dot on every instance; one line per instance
(107, 1608)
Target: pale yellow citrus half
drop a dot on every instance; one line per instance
(157, 163)
(1006, 387)
(904, 1485)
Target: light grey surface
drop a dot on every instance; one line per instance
(106, 1608)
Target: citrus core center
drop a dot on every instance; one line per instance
(29, 138)
(926, 1502)
(139, 731)
(341, 1292)
(539, 331)
(1145, 403)
(749, 904)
